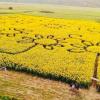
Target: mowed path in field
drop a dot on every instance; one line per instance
(27, 87)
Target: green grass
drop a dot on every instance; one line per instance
(6, 98)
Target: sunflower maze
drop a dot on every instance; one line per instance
(54, 48)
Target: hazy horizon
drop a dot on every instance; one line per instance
(83, 3)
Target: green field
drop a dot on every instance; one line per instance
(56, 11)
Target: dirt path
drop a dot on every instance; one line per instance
(26, 87)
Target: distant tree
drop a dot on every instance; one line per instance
(10, 8)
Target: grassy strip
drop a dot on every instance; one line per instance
(20, 68)
(7, 98)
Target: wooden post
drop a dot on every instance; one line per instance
(94, 82)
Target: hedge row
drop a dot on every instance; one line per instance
(20, 68)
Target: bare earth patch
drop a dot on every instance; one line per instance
(26, 87)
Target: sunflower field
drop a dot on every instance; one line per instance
(50, 47)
